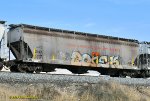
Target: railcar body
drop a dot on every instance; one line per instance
(44, 49)
(57, 46)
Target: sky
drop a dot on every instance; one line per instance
(119, 18)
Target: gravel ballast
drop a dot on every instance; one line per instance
(7, 77)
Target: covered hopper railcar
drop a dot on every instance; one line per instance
(44, 49)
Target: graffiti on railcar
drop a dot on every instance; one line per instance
(38, 53)
(76, 59)
(93, 60)
(86, 60)
(114, 60)
(103, 59)
(63, 56)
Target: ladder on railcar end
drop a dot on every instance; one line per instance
(3, 44)
(144, 55)
(148, 56)
(4, 49)
(3, 40)
(5, 52)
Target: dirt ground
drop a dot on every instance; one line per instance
(73, 92)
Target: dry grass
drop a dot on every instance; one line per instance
(66, 97)
(75, 92)
(6, 92)
(113, 92)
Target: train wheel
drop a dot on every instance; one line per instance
(122, 75)
(14, 68)
(38, 69)
(143, 74)
(22, 68)
(1, 66)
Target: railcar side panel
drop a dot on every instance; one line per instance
(73, 49)
(56, 48)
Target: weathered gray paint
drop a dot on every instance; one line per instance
(57, 47)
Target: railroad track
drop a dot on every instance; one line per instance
(8, 77)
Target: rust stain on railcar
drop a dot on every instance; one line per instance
(93, 47)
